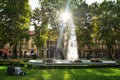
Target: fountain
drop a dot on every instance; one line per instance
(72, 52)
(67, 43)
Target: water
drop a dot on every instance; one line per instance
(59, 49)
(72, 52)
(59, 43)
(67, 43)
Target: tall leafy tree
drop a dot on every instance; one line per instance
(106, 23)
(82, 18)
(56, 7)
(40, 21)
(14, 19)
(80, 11)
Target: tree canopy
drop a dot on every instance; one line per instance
(14, 19)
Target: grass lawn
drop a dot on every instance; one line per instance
(65, 74)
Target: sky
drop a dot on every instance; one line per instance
(33, 3)
(92, 1)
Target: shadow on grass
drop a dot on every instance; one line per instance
(65, 74)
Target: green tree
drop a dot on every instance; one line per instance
(13, 20)
(106, 23)
(40, 21)
(82, 19)
(79, 9)
(54, 8)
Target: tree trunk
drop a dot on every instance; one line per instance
(15, 50)
(39, 53)
(20, 51)
(88, 55)
(109, 54)
(109, 51)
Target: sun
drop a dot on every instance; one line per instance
(65, 16)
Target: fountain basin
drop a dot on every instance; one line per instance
(69, 63)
